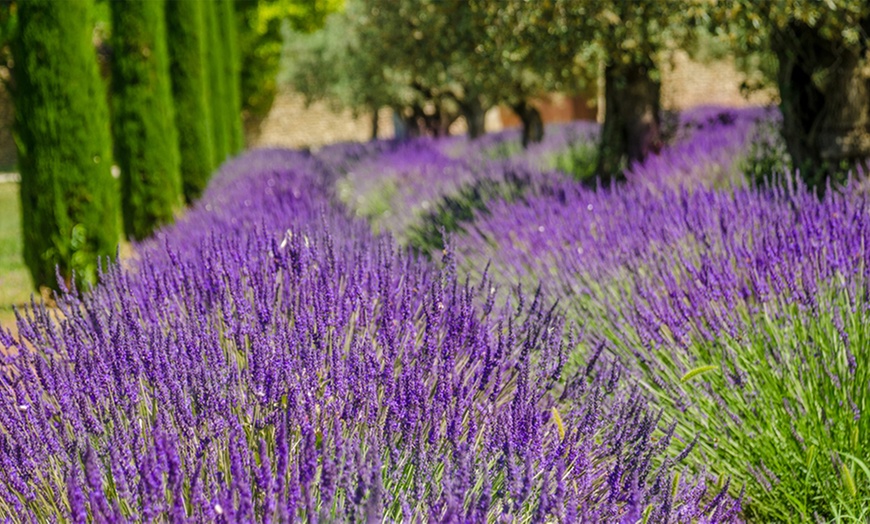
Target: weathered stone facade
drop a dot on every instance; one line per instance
(291, 124)
(689, 83)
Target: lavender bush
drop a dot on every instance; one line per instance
(715, 147)
(269, 359)
(419, 180)
(567, 147)
(341, 157)
(743, 313)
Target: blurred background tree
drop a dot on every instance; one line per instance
(626, 40)
(187, 39)
(432, 61)
(329, 65)
(522, 53)
(822, 53)
(146, 139)
(424, 46)
(261, 42)
(69, 201)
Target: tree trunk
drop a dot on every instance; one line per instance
(432, 123)
(826, 123)
(533, 125)
(475, 117)
(442, 121)
(400, 123)
(632, 126)
(413, 119)
(375, 123)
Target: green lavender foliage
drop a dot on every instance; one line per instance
(778, 405)
(231, 66)
(146, 140)
(217, 83)
(186, 39)
(68, 200)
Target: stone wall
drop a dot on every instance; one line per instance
(291, 124)
(688, 83)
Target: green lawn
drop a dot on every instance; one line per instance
(15, 287)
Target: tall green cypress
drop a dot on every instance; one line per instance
(217, 85)
(232, 74)
(68, 197)
(143, 117)
(186, 38)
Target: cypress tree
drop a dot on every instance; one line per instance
(68, 197)
(143, 118)
(217, 85)
(232, 74)
(186, 38)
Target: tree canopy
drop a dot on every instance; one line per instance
(260, 43)
(430, 60)
(822, 55)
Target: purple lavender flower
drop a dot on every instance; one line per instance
(268, 358)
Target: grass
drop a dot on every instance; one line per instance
(15, 285)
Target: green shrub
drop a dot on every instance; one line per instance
(454, 212)
(146, 140)
(579, 160)
(767, 155)
(186, 39)
(217, 85)
(68, 199)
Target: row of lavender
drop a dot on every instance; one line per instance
(742, 312)
(431, 182)
(268, 359)
(393, 191)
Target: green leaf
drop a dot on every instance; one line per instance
(697, 371)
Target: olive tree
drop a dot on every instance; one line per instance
(823, 75)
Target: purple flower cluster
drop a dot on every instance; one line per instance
(710, 148)
(558, 138)
(691, 256)
(341, 157)
(738, 309)
(269, 359)
(396, 189)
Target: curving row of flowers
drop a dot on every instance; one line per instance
(269, 359)
(742, 312)
(738, 309)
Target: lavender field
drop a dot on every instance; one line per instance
(463, 331)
